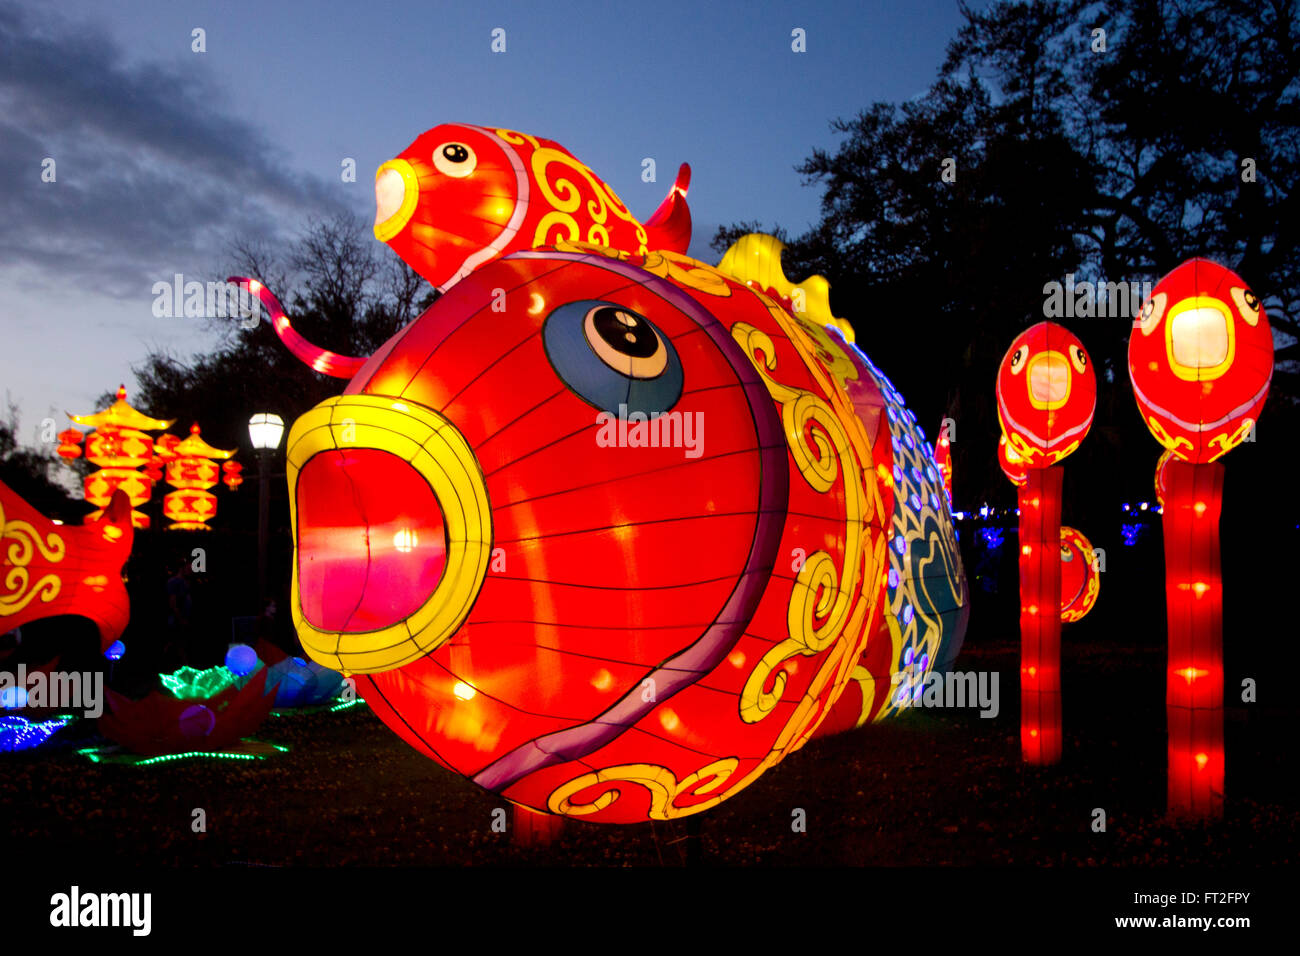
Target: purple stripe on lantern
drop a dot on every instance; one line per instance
(692, 663)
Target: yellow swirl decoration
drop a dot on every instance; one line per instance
(557, 219)
(660, 262)
(820, 447)
(564, 195)
(1225, 442)
(1172, 442)
(664, 788)
(24, 541)
(517, 139)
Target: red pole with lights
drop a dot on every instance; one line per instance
(1046, 395)
(1200, 359)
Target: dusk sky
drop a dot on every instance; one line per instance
(164, 155)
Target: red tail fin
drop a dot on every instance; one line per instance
(670, 226)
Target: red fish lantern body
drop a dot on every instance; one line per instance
(1201, 359)
(1047, 393)
(611, 548)
(1080, 576)
(47, 570)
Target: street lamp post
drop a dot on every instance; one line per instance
(264, 429)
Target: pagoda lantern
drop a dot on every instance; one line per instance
(192, 472)
(120, 446)
(1046, 395)
(1201, 360)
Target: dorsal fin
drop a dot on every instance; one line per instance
(756, 258)
(670, 226)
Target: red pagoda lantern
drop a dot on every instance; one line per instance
(1201, 360)
(192, 472)
(1046, 395)
(119, 445)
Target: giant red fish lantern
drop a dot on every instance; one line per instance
(1046, 393)
(49, 570)
(1200, 359)
(610, 531)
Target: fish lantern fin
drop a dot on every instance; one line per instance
(755, 259)
(315, 357)
(670, 226)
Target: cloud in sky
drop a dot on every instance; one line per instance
(154, 174)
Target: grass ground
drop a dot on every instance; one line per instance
(934, 787)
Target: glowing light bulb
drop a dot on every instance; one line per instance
(463, 690)
(405, 540)
(1201, 760)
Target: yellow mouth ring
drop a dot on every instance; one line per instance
(442, 456)
(1189, 373)
(410, 199)
(1048, 356)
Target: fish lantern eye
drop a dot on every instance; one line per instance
(1152, 311)
(1018, 360)
(455, 159)
(625, 341)
(611, 356)
(1247, 304)
(1078, 358)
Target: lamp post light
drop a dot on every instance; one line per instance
(265, 430)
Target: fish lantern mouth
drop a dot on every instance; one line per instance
(1048, 380)
(1199, 339)
(392, 531)
(397, 192)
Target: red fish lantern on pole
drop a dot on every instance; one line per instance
(192, 472)
(120, 446)
(1046, 393)
(1201, 360)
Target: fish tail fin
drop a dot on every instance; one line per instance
(670, 226)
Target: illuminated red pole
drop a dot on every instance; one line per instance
(1201, 360)
(1194, 597)
(1040, 616)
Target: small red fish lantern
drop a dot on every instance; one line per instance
(48, 570)
(1046, 393)
(1201, 360)
(462, 195)
(1080, 576)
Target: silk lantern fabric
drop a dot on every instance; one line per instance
(611, 548)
